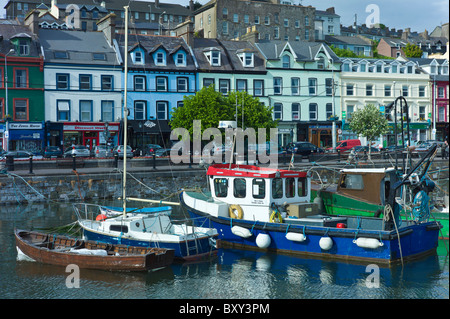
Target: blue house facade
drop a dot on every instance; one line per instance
(161, 72)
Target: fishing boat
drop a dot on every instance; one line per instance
(61, 250)
(270, 209)
(365, 191)
(146, 227)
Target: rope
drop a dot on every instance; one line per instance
(388, 208)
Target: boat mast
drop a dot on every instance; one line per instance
(125, 117)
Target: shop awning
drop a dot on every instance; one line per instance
(150, 126)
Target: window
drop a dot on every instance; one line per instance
(302, 187)
(277, 188)
(161, 110)
(258, 87)
(277, 86)
(256, 19)
(313, 111)
(295, 111)
(321, 63)
(140, 108)
(62, 81)
(180, 59)
(290, 187)
(258, 188)
(278, 111)
(182, 84)
(239, 189)
(221, 187)
(306, 34)
(346, 67)
(441, 92)
(295, 86)
(20, 109)
(246, 19)
(394, 68)
(266, 20)
(99, 56)
(225, 27)
(312, 85)
(352, 182)
(107, 82)
(297, 24)
(350, 89)
(306, 21)
(85, 111)
(241, 85)
(24, 47)
(421, 113)
(387, 90)
(224, 86)
(139, 83)
(107, 111)
(362, 67)
(138, 57)
(369, 90)
(213, 57)
(20, 78)
(331, 29)
(379, 68)
(404, 90)
(60, 55)
(350, 110)
(235, 18)
(276, 33)
(160, 58)
(63, 110)
(329, 110)
(286, 23)
(208, 82)
(421, 91)
(161, 84)
(85, 82)
(329, 87)
(286, 61)
(246, 59)
(225, 13)
(410, 69)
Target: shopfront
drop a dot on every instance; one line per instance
(26, 136)
(89, 134)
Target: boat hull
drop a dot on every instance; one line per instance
(415, 240)
(184, 250)
(134, 259)
(337, 204)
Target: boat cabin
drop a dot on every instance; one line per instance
(255, 189)
(370, 185)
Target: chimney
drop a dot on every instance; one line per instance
(186, 31)
(191, 6)
(406, 33)
(108, 26)
(32, 21)
(425, 35)
(330, 10)
(156, 3)
(251, 36)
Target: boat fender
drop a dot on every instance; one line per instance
(263, 240)
(326, 243)
(100, 217)
(295, 237)
(235, 211)
(368, 242)
(241, 231)
(275, 216)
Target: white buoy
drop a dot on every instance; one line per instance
(295, 237)
(241, 231)
(372, 243)
(263, 240)
(326, 243)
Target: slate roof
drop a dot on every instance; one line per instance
(79, 45)
(330, 39)
(151, 43)
(304, 51)
(10, 31)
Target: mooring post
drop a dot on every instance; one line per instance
(31, 163)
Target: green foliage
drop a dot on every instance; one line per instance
(412, 51)
(369, 122)
(211, 106)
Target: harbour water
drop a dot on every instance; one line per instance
(233, 274)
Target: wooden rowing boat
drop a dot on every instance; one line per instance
(62, 250)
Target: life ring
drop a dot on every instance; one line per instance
(236, 211)
(276, 217)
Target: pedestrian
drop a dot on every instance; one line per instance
(444, 150)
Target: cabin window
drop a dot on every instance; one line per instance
(277, 188)
(119, 228)
(302, 188)
(258, 188)
(290, 187)
(239, 188)
(221, 187)
(352, 182)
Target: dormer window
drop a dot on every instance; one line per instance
(138, 57)
(24, 47)
(286, 62)
(213, 57)
(394, 68)
(346, 67)
(363, 67)
(160, 58)
(180, 59)
(246, 59)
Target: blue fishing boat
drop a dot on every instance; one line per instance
(263, 208)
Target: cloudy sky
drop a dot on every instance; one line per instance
(400, 14)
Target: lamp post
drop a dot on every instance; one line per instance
(333, 125)
(6, 98)
(160, 25)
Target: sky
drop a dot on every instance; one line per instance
(400, 14)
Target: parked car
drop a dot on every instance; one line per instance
(162, 152)
(362, 149)
(101, 151)
(303, 148)
(52, 151)
(119, 150)
(18, 154)
(345, 145)
(80, 151)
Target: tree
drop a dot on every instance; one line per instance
(369, 122)
(412, 51)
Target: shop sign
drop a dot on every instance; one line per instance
(25, 126)
(89, 127)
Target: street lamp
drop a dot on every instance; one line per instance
(160, 25)
(6, 98)
(333, 127)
